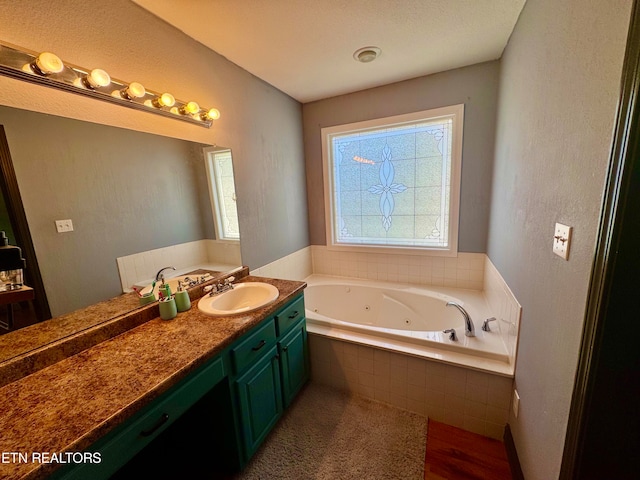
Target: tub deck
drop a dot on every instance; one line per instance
(485, 352)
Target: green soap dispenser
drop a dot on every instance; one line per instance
(183, 302)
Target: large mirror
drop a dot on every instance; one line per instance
(125, 192)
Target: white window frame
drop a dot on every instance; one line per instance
(456, 113)
(212, 181)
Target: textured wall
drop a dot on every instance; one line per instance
(475, 86)
(559, 85)
(261, 124)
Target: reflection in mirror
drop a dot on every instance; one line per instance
(138, 202)
(222, 189)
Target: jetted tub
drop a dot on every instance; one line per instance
(406, 318)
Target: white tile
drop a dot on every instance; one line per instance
(475, 409)
(476, 393)
(365, 365)
(454, 419)
(416, 406)
(453, 387)
(381, 395)
(494, 430)
(435, 399)
(397, 400)
(417, 393)
(417, 378)
(382, 382)
(497, 415)
(475, 425)
(398, 386)
(418, 365)
(366, 379)
(349, 362)
(454, 403)
(435, 383)
(456, 373)
(437, 413)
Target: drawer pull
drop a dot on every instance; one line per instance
(284, 349)
(163, 419)
(259, 346)
(293, 315)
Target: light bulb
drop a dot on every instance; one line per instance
(97, 78)
(134, 90)
(211, 114)
(164, 100)
(190, 108)
(47, 63)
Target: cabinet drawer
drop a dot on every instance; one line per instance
(290, 315)
(253, 347)
(121, 445)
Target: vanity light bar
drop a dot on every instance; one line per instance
(48, 69)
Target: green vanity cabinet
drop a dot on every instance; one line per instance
(294, 361)
(119, 446)
(260, 400)
(265, 387)
(232, 403)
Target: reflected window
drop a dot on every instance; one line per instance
(223, 193)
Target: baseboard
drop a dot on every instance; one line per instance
(512, 454)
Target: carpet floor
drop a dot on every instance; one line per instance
(327, 434)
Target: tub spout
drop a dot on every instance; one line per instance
(469, 329)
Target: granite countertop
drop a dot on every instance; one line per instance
(29, 349)
(69, 405)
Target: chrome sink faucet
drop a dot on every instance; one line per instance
(160, 274)
(469, 329)
(220, 287)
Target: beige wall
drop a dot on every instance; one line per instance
(475, 86)
(262, 125)
(559, 85)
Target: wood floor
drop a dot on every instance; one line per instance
(455, 454)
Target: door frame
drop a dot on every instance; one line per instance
(18, 218)
(604, 417)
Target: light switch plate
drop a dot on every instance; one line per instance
(64, 226)
(562, 240)
(515, 403)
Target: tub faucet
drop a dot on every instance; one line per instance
(160, 274)
(485, 324)
(469, 329)
(452, 334)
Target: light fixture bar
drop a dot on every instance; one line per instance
(21, 64)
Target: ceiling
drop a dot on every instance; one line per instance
(305, 47)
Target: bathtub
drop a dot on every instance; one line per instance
(408, 319)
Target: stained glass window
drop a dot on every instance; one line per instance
(391, 180)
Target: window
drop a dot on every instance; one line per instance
(393, 183)
(222, 190)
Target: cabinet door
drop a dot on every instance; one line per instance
(260, 400)
(294, 361)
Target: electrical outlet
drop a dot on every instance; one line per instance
(562, 240)
(515, 404)
(64, 226)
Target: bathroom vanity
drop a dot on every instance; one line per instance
(157, 388)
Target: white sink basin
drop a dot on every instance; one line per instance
(245, 297)
(173, 285)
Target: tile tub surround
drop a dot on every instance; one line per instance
(296, 266)
(211, 254)
(464, 271)
(32, 348)
(72, 403)
(475, 401)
